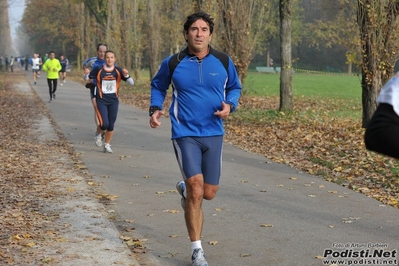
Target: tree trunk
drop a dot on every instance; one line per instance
(377, 22)
(285, 52)
(350, 68)
(369, 96)
(126, 32)
(197, 5)
(242, 22)
(152, 38)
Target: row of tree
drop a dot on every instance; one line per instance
(143, 32)
(146, 31)
(5, 34)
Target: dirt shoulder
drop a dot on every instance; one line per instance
(50, 208)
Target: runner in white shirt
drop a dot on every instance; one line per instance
(36, 62)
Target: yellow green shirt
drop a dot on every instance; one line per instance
(52, 67)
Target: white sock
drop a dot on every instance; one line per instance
(195, 245)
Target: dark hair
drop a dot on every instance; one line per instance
(109, 51)
(101, 44)
(196, 16)
(51, 52)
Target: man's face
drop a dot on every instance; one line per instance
(52, 56)
(198, 36)
(101, 52)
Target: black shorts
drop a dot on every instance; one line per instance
(382, 131)
(93, 93)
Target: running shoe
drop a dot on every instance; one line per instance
(181, 187)
(35, 82)
(98, 139)
(198, 258)
(107, 148)
(61, 84)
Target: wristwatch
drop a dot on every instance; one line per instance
(153, 109)
(231, 107)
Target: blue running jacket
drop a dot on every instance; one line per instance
(198, 89)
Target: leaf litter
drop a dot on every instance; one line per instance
(41, 180)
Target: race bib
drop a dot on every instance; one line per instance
(108, 86)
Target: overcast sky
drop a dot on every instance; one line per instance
(15, 11)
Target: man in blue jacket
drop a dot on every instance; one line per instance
(90, 64)
(206, 89)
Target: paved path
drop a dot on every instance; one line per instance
(264, 213)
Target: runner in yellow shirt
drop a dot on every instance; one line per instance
(52, 66)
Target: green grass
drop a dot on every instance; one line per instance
(308, 85)
(303, 85)
(315, 96)
(337, 95)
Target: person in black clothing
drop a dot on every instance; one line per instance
(7, 62)
(26, 62)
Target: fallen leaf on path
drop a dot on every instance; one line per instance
(266, 225)
(30, 244)
(169, 255)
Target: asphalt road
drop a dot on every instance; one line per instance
(265, 213)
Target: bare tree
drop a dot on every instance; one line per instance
(378, 23)
(285, 51)
(197, 5)
(242, 24)
(153, 42)
(126, 32)
(5, 33)
(136, 38)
